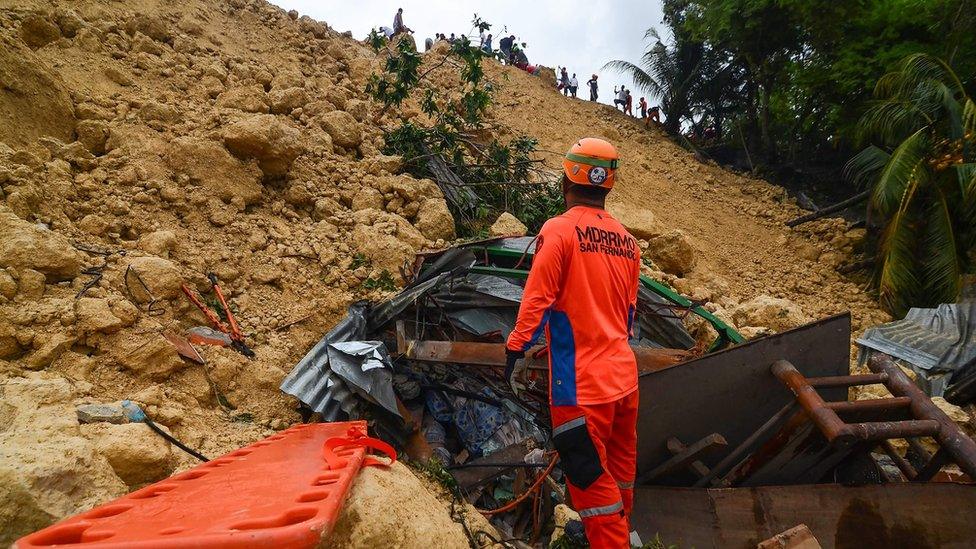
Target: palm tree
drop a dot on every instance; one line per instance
(666, 74)
(923, 176)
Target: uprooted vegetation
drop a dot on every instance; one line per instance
(153, 143)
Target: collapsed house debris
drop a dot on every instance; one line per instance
(768, 415)
(433, 381)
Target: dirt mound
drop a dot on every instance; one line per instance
(147, 143)
(144, 145)
(34, 101)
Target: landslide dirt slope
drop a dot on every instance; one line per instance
(145, 143)
(733, 223)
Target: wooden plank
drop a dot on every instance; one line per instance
(469, 477)
(683, 458)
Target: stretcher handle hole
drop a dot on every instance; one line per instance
(219, 462)
(309, 497)
(288, 518)
(240, 453)
(152, 491)
(190, 475)
(326, 479)
(108, 511)
(171, 531)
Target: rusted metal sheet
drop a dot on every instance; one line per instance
(732, 392)
(493, 354)
(903, 515)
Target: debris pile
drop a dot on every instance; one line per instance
(425, 366)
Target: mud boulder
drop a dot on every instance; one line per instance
(267, 139)
(150, 355)
(434, 220)
(37, 32)
(24, 245)
(47, 469)
(210, 165)
(247, 99)
(386, 240)
(137, 454)
(161, 276)
(393, 508)
(640, 222)
(159, 243)
(343, 129)
(286, 100)
(94, 316)
(152, 26)
(34, 100)
(93, 134)
(672, 253)
(772, 312)
(507, 225)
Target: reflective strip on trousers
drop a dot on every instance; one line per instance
(625, 485)
(569, 425)
(605, 510)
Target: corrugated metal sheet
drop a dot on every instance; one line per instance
(932, 342)
(314, 383)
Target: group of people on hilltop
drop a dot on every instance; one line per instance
(569, 85)
(566, 84)
(625, 101)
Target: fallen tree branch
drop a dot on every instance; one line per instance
(824, 212)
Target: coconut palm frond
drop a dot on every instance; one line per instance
(924, 193)
(897, 276)
(891, 121)
(941, 264)
(652, 34)
(865, 166)
(644, 81)
(905, 168)
(931, 97)
(920, 67)
(969, 117)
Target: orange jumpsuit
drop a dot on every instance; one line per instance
(582, 291)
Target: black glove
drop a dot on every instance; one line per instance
(514, 366)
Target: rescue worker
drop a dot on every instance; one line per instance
(582, 291)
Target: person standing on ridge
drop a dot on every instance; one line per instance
(630, 104)
(642, 105)
(582, 290)
(487, 45)
(505, 45)
(594, 89)
(573, 85)
(564, 81)
(398, 25)
(621, 99)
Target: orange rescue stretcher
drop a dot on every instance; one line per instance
(284, 491)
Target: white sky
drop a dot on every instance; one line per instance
(579, 34)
